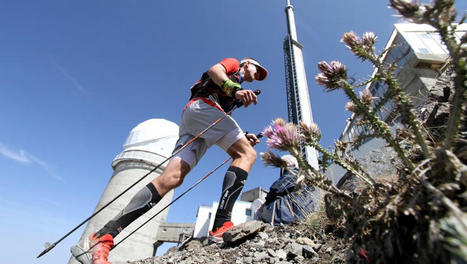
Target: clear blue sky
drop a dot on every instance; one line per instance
(77, 76)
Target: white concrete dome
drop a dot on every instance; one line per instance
(155, 135)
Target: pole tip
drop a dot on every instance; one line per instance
(49, 247)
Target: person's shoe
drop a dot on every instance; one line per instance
(216, 235)
(93, 250)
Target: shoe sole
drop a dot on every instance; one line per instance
(216, 239)
(81, 255)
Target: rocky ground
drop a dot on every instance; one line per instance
(257, 242)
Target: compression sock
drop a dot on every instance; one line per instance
(234, 180)
(144, 200)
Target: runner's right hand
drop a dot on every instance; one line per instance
(246, 96)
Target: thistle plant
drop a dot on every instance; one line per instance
(441, 15)
(437, 174)
(428, 190)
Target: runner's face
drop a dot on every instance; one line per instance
(251, 72)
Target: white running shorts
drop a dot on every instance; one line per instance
(197, 116)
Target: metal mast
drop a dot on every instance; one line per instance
(298, 99)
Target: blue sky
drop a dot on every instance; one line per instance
(77, 76)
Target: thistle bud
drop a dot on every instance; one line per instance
(279, 121)
(325, 68)
(321, 79)
(310, 132)
(366, 97)
(351, 107)
(369, 39)
(409, 9)
(340, 70)
(332, 74)
(351, 40)
(271, 159)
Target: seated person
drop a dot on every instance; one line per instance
(284, 204)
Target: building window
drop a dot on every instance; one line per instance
(424, 50)
(248, 212)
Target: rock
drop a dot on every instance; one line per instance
(271, 252)
(260, 256)
(255, 242)
(304, 241)
(263, 235)
(281, 254)
(294, 249)
(243, 231)
(317, 247)
(193, 245)
(259, 244)
(299, 259)
(308, 252)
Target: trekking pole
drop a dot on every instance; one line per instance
(236, 105)
(178, 197)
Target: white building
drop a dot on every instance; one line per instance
(243, 211)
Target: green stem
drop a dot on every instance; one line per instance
(366, 178)
(404, 102)
(316, 177)
(458, 56)
(378, 126)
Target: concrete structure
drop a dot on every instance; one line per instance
(174, 233)
(243, 211)
(422, 57)
(253, 194)
(298, 99)
(147, 145)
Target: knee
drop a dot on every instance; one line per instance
(250, 154)
(242, 150)
(174, 181)
(169, 181)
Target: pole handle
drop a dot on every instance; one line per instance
(239, 103)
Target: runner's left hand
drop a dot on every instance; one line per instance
(252, 139)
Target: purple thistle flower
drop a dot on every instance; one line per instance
(289, 136)
(275, 142)
(281, 135)
(267, 132)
